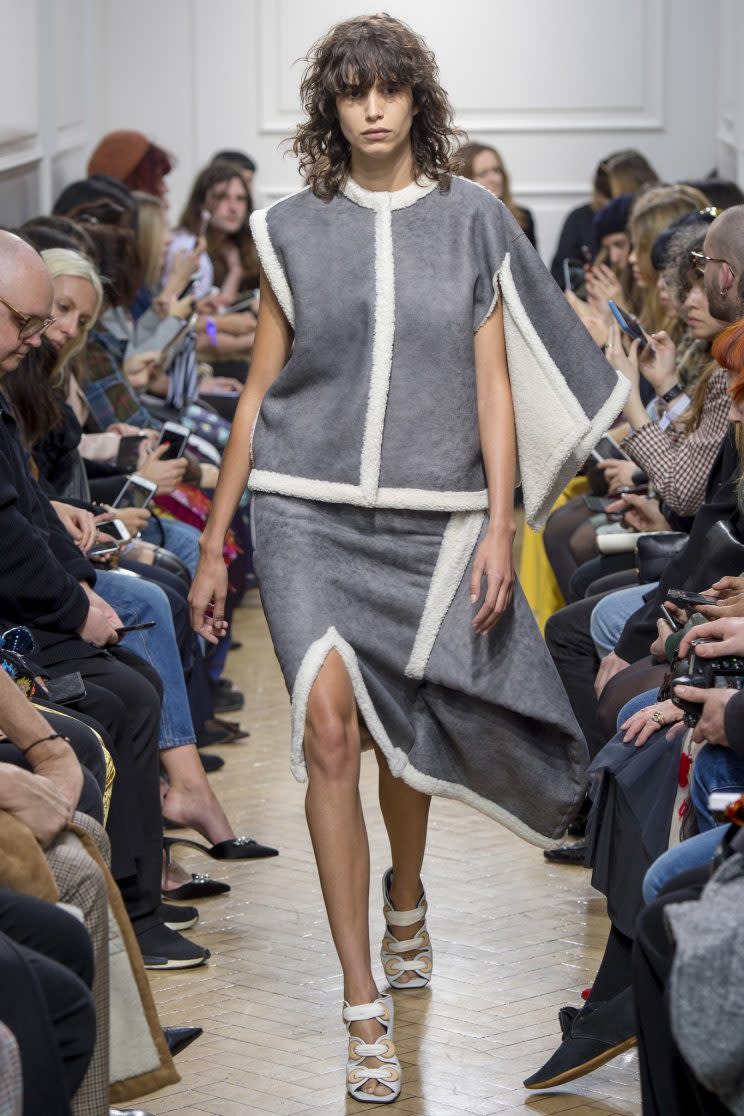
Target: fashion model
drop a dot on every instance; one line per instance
(405, 324)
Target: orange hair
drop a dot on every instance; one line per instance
(728, 351)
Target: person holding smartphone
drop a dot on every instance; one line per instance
(383, 496)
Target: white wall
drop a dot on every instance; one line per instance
(555, 84)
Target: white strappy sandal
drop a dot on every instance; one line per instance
(392, 948)
(388, 1072)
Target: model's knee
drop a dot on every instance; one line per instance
(331, 745)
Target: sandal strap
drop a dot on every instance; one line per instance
(371, 1050)
(360, 1075)
(394, 966)
(405, 918)
(357, 1012)
(396, 945)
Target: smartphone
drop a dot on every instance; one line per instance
(666, 614)
(117, 529)
(100, 548)
(687, 599)
(135, 627)
(129, 449)
(573, 274)
(607, 448)
(176, 436)
(187, 290)
(587, 255)
(597, 504)
(629, 324)
(136, 493)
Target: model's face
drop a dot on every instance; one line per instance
(228, 204)
(488, 172)
(617, 247)
(32, 298)
(700, 322)
(377, 123)
(74, 306)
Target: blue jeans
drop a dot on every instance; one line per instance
(137, 600)
(180, 538)
(715, 769)
(695, 852)
(611, 613)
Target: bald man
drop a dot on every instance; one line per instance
(47, 584)
(723, 267)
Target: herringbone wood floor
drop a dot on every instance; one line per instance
(513, 940)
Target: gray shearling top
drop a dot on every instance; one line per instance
(376, 406)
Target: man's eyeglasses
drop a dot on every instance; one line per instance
(700, 259)
(29, 325)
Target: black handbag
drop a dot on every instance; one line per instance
(721, 555)
(654, 551)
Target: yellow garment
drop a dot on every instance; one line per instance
(535, 572)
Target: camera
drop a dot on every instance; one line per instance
(726, 673)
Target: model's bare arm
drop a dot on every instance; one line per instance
(493, 559)
(271, 351)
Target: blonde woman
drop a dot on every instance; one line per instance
(484, 165)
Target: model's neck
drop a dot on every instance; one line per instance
(383, 174)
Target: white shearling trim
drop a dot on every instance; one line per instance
(397, 759)
(456, 548)
(384, 199)
(270, 263)
(427, 784)
(337, 492)
(382, 353)
(541, 395)
(315, 656)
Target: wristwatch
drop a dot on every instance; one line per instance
(673, 392)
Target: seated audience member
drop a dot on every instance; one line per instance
(245, 164)
(133, 159)
(47, 584)
(218, 208)
(484, 165)
(622, 173)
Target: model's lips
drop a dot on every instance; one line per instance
(376, 133)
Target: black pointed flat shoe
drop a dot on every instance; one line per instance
(178, 1038)
(198, 887)
(237, 848)
(594, 1036)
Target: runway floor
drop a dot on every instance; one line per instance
(513, 939)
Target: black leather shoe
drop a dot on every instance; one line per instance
(178, 1038)
(595, 1036)
(567, 854)
(211, 762)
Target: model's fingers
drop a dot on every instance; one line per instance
(476, 579)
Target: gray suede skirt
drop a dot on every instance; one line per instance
(483, 719)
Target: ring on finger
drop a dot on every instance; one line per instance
(659, 717)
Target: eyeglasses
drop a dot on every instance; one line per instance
(700, 260)
(29, 325)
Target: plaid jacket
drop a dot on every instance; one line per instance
(11, 1079)
(110, 397)
(677, 462)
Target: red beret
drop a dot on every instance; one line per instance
(118, 154)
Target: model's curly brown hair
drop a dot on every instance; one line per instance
(352, 57)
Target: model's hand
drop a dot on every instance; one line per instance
(207, 598)
(611, 665)
(642, 725)
(711, 727)
(494, 562)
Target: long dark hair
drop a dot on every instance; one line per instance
(353, 56)
(28, 389)
(191, 218)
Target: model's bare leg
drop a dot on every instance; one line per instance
(339, 835)
(406, 815)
